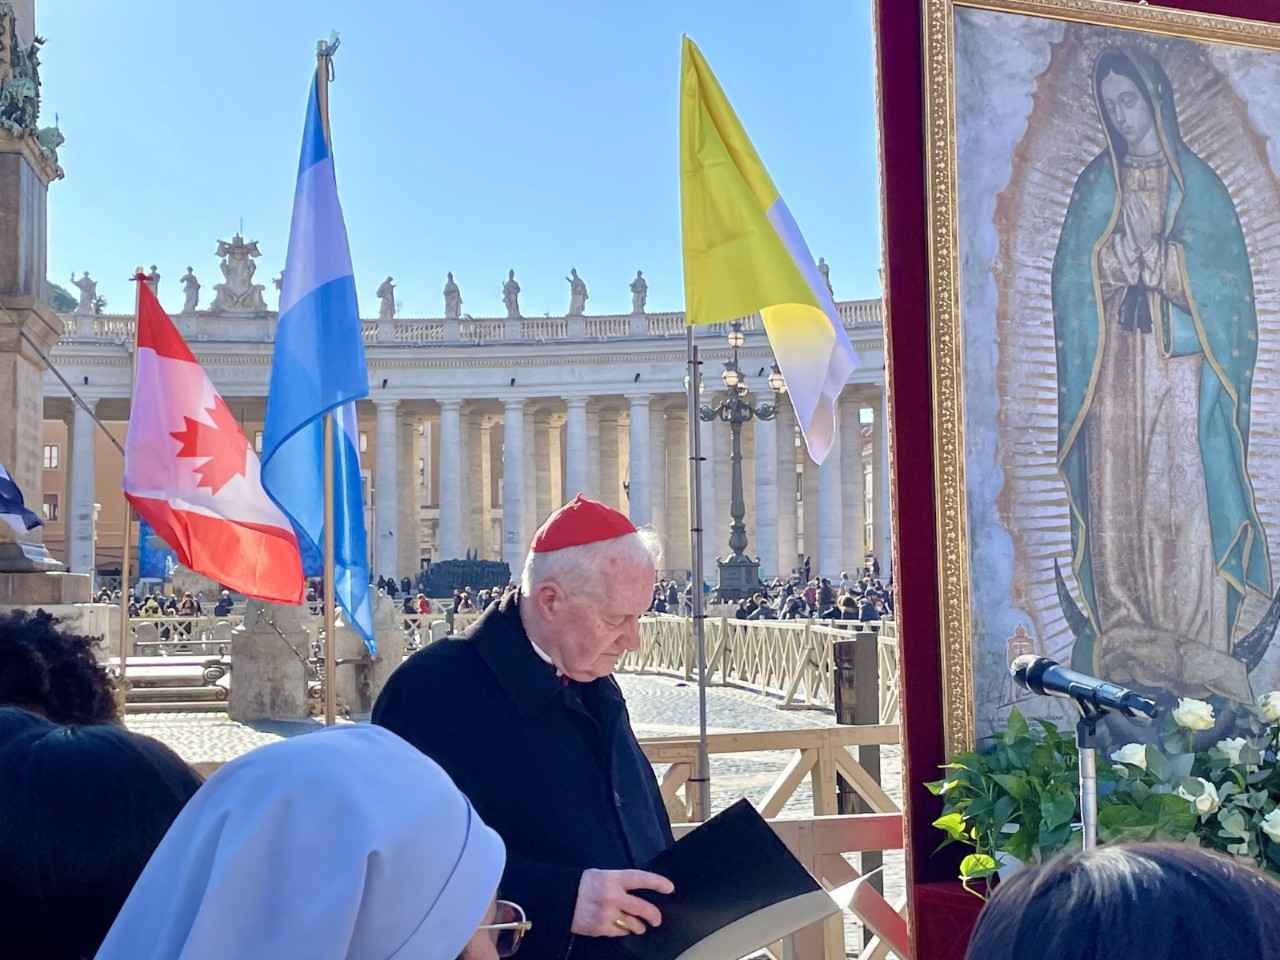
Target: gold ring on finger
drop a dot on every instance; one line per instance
(621, 922)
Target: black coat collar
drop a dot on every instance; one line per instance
(500, 639)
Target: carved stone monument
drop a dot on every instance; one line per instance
(577, 294)
(190, 291)
(153, 281)
(639, 292)
(452, 299)
(360, 676)
(238, 293)
(511, 296)
(27, 572)
(825, 270)
(88, 287)
(386, 299)
(268, 650)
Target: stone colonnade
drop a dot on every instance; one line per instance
(458, 476)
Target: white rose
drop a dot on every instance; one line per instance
(1232, 747)
(1269, 706)
(1207, 803)
(1271, 825)
(1193, 714)
(1134, 753)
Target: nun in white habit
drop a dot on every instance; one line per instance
(346, 844)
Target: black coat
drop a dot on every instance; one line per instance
(565, 791)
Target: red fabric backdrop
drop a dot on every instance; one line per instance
(941, 916)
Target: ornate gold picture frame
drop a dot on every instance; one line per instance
(1104, 222)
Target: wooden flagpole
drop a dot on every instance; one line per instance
(323, 54)
(122, 681)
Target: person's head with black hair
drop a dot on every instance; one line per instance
(81, 811)
(1155, 901)
(52, 672)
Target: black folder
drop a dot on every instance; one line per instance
(737, 889)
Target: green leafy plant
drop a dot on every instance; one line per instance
(1018, 798)
(1015, 800)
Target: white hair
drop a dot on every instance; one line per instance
(581, 565)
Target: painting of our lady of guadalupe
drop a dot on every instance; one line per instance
(1119, 240)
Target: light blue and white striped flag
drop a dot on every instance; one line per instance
(13, 508)
(318, 367)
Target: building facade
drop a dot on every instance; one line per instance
(476, 428)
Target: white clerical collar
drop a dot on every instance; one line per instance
(541, 653)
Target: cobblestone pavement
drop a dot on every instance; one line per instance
(659, 706)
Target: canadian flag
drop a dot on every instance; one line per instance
(192, 475)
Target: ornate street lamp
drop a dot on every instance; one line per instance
(739, 575)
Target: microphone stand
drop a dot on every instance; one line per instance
(1086, 743)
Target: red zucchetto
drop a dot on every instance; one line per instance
(580, 521)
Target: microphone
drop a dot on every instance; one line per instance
(1050, 679)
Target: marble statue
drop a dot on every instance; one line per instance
(191, 290)
(577, 294)
(50, 139)
(19, 78)
(511, 296)
(153, 282)
(453, 299)
(88, 294)
(824, 269)
(386, 299)
(238, 292)
(639, 293)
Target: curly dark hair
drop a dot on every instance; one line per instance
(53, 673)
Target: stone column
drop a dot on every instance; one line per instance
(482, 512)
(610, 483)
(830, 513)
(882, 503)
(641, 506)
(851, 468)
(78, 511)
(409, 552)
(531, 458)
(472, 490)
(545, 466)
(717, 508)
(712, 535)
(513, 467)
(386, 490)
(788, 515)
(593, 456)
(675, 504)
(659, 512)
(809, 517)
(450, 524)
(766, 514)
(555, 459)
(479, 492)
(576, 454)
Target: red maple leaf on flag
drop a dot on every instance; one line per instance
(222, 446)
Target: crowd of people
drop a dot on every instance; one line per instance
(499, 798)
(866, 598)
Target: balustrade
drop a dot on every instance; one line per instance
(789, 659)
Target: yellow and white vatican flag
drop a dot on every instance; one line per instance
(744, 253)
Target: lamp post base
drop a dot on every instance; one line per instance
(739, 578)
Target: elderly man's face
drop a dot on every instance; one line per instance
(591, 626)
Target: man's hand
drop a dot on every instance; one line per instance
(604, 899)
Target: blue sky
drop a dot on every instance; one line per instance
(468, 136)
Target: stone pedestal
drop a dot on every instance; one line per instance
(28, 333)
(41, 589)
(188, 581)
(269, 678)
(360, 676)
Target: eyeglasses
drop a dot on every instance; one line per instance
(509, 926)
